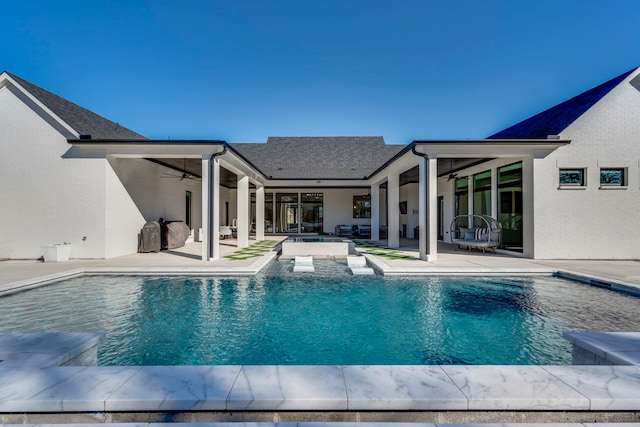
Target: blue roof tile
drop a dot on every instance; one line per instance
(556, 119)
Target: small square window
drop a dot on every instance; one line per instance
(572, 177)
(612, 177)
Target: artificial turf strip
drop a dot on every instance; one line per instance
(377, 249)
(257, 249)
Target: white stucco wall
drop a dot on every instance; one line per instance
(136, 193)
(409, 194)
(45, 199)
(593, 223)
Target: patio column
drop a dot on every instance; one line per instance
(259, 213)
(528, 206)
(375, 212)
(210, 208)
(205, 187)
(494, 193)
(243, 212)
(393, 209)
(428, 208)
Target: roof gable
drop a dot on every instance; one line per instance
(556, 119)
(83, 121)
(306, 157)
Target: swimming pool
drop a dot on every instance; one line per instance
(331, 317)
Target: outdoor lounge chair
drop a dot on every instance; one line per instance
(343, 230)
(303, 264)
(358, 265)
(476, 232)
(225, 231)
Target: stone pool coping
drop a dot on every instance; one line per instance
(76, 389)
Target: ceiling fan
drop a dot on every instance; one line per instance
(181, 174)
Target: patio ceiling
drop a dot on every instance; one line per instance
(193, 167)
(228, 179)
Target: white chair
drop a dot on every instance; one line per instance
(358, 265)
(225, 231)
(303, 264)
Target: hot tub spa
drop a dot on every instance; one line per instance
(317, 246)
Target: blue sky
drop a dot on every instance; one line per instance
(245, 70)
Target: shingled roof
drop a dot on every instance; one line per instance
(83, 121)
(556, 119)
(341, 157)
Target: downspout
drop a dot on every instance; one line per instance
(427, 231)
(210, 201)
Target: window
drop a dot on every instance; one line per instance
(482, 193)
(614, 177)
(187, 208)
(510, 205)
(462, 196)
(362, 206)
(572, 177)
(312, 212)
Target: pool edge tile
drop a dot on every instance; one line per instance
(401, 387)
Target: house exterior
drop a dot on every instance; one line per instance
(564, 184)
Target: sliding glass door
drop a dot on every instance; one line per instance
(510, 205)
(287, 212)
(311, 204)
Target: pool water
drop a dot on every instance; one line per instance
(330, 317)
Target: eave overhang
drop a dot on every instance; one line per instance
(144, 148)
(148, 147)
(494, 148)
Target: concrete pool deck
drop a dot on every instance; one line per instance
(292, 395)
(23, 274)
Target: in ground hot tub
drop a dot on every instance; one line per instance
(317, 246)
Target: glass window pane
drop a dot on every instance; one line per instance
(510, 206)
(362, 206)
(612, 176)
(572, 177)
(462, 196)
(287, 212)
(312, 212)
(482, 193)
(268, 212)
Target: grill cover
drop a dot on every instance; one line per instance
(149, 237)
(177, 233)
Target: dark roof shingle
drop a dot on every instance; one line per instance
(556, 119)
(344, 157)
(85, 122)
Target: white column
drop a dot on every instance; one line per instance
(243, 211)
(428, 208)
(528, 207)
(423, 213)
(432, 209)
(393, 209)
(494, 193)
(470, 196)
(375, 212)
(259, 213)
(206, 207)
(215, 209)
(210, 208)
